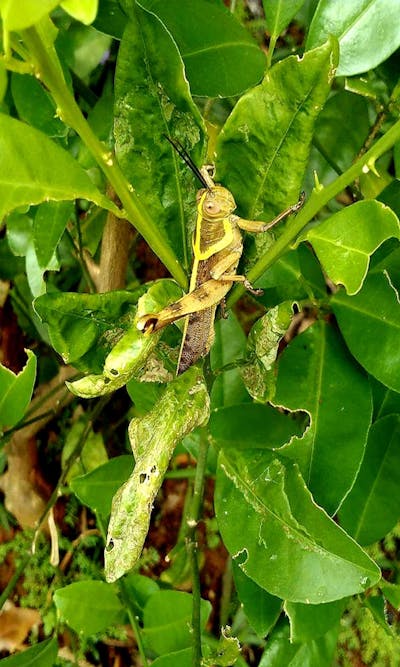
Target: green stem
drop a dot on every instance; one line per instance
(192, 546)
(69, 463)
(271, 49)
(14, 580)
(134, 623)
(318, 199)
(48, 69)
(28, 422)
(126, 598)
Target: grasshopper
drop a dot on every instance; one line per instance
(217, 249)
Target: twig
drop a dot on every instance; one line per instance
(192, 546)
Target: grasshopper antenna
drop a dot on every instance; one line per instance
(182, 152)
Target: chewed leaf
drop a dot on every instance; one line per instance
(269, 134)
(362, 46)
(317, 374)
(345, 242)
(81, 325)
(280, 538)
(262, 348)
(183, 406)
(131, 352)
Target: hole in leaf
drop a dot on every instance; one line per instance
(110, 546)
(153, 469)
(114, 371)
(142, 477)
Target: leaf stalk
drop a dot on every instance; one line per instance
(192, 545)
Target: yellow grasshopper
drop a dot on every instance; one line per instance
(217, 248)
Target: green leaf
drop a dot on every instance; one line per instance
(19, 233)
(370, 324)
(167, 621)
(27, 180)
(263, 149)
(16, 391)
(85, 49)
(225, 653)
(386, 401)
(139, 589)
(295, 276)
(24, 13)
(391, 593)
(144, 394)
(43, 654)
(377, 607)
(261, 608)
(310, 621)
(152, 99)
(110, 18)
(3, 81)
(221, 58)
(228, 347)
(279, 13)
(345, 242)
(81, 10)
(372, 507)
(183, 406)
(130, 353)
(50, 221)
(83, 323)
(35, 106)
(88, 607)
(96, 489)
(362, 46)
(317, 374)
(262, 347)
(93, 454)
(229, 426)
(176, 659)
(279, 537)
(281, 651)
(340, 132)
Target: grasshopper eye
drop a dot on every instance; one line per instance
(212, 207)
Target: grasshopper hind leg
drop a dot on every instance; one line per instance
(198, 337)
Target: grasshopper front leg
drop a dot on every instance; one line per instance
(257, 226)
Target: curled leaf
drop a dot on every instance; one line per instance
(183, 406)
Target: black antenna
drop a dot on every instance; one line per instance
(187, 159)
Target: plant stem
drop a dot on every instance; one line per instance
(14, 580)
(69, 463)
(271, 49)
(134, 624)
(318, 199)
(48, 69)
(192, 546)
(125, 595)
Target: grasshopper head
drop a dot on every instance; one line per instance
(217, 202)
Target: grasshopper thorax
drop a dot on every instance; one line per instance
(216, 202)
